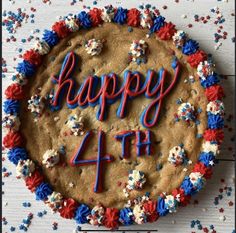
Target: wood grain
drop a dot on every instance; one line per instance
(14, 190)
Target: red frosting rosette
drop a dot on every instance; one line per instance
(34, 180)
(179, 194)
(95, 16)
(111, 218)
(68, 208)
(12, 139)
(150, 210)
(167, 31)
(14, 92)
(216, 135)
(205, 171)
(33, 57)
(214, 92)
(133, 17)
(61, 29)
(196, 58)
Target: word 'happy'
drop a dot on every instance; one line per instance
(104, 91)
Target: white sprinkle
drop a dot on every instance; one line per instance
(183, 16)
(56, 118)
(222, 218)
(71, 185)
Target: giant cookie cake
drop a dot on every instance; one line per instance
(114, 118)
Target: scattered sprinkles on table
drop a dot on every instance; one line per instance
(27, 167)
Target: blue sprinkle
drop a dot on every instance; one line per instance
(12, 229)
(199, 227)
(211, 227)
(40, 214)
(197, 122)
(130, 29)
(78, 228)
(159, 166)
(199, 110)
(198, 222)
(141, 7)
(199, 136)
(147, 194)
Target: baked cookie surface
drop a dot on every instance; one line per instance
(133, 144)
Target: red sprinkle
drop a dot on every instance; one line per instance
(221, 210)
(231, 203)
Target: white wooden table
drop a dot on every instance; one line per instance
(15, 192)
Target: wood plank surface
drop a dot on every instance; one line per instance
(206, 211)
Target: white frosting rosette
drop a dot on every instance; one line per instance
(196, 178)
(50, 158)
(186, 112)
(42, 47)
(75, 124)
(216, 107)
(25, 168)
(97, 215)
(210, 147)
(108, 13)
(94, 47)
(20, 79)
(138, 49)
(146, 18)
(170, 203)
(54, 201)
(36, 105)
(139, 214)
(136, 180)
(176, 155)
(10, 122)
(205, 69)
(179, 38)
(71, 22)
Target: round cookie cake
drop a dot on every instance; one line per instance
(114, 118)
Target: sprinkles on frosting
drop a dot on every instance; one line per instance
(36, 105)
(138, 50)
(75, 124)
(25, 168)
(50, 158)
(11, 122)
(93, 47)
(177, 155)
(186, 112)
(142, 210)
